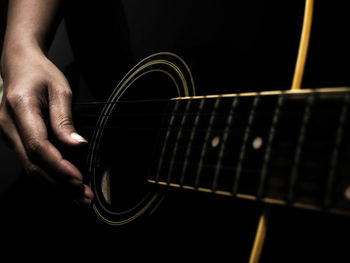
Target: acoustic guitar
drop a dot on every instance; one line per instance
(171, 158)
(269, 148)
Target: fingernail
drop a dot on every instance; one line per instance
(75, 136)
(76, 182)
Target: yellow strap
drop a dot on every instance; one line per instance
(303, 45)
(297, 79)
(260, 235)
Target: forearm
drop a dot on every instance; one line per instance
(30, 24)
(30, 21)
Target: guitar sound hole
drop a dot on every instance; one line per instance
(129, 137)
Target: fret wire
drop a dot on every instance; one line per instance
(183, 120)
(335, 153)
(166, 140)
(244, 144)
(224, 140)
(297, 156)
(205, 144)
(189, 147)
(271, 137)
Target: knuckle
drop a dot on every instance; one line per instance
(67, 93)
(15, 98)
(34, 148)
(63, 121)
(64, 92)
(37, 173)
(32, 169)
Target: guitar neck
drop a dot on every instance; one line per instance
(288, 147)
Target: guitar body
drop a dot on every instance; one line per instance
(123, 136)
(159, 50)
(220, 51)
(219, 48)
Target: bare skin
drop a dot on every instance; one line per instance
(34, 85)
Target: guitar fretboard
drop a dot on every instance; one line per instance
(281, 147)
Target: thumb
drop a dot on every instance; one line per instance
(60, 105)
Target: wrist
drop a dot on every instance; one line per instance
(16, 51)
(18, 44)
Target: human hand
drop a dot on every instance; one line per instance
(35, 87)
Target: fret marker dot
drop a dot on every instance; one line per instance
(347, 193)
(215, 141)
(257, 143)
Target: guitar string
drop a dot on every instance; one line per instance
(227, 177)
(272, 172)
(325, 113)
(321, 116)
(261, 112)
(283, 149)
(286, 130)
(285, 134)
(241, 114)
(226, 180)
(310, 150)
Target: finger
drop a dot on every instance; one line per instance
(34, 137)
(86, 197)
(10, 136)
(60, 105)
(60, 189)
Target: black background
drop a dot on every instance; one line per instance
(247, 46)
